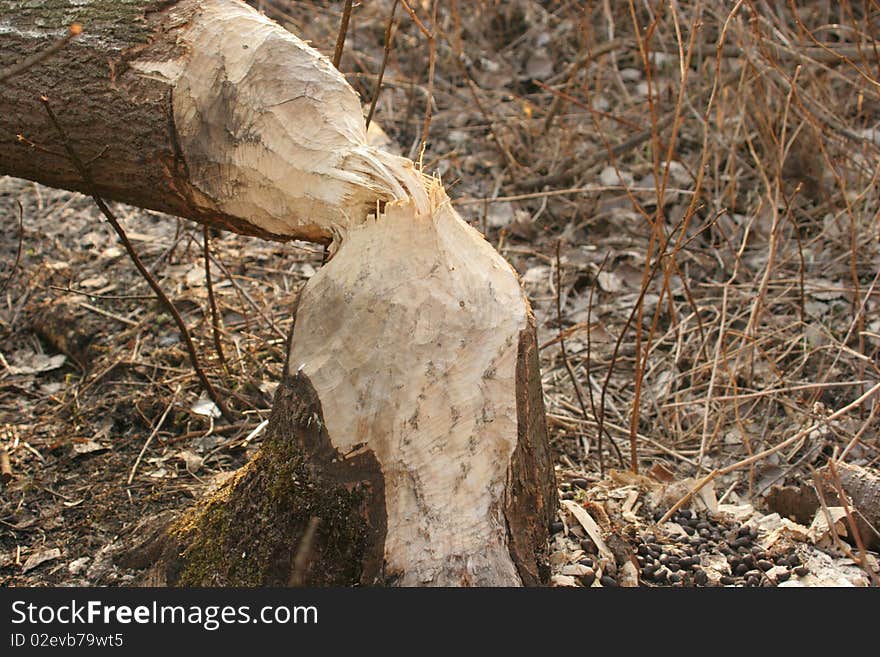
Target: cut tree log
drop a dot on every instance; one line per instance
(410, 421)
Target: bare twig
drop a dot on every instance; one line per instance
(73, 31)
(432, 57)
(588, 362)
(568, 368)
(767, 452)
(212, 302)
(573, 69)
(152, 435)
(343, 30)
(389, 38)
(166, 302)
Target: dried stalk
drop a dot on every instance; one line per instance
(73, 31)
(163, 298)
(343, 31)
(212, 302)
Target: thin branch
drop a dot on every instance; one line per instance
(215, 316)
(151, 436)
(343, 30)
(767, 452)
(432, 56)
(166, 302)
(588, 364)
(389, 37)
(574, 381)
(73, 31)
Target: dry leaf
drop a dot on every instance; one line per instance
(88, 447)
(33, 363)
(205, 407)
(819, 528)
(193, 461)
(40, 558)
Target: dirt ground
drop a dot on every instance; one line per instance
(692, 207)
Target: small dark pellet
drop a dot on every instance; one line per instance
(800, 571)
(583, 484)
(701, 578)
(608, 581)
(586, 561)
(556, 527)
(740, 570)
(783, 576)
(588, 546)
(727, 580)
(765, 565)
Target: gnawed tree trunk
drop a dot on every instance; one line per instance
(410, 420)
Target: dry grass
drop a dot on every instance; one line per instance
(723, 160)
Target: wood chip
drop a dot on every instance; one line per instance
(5, 466)
(586, 521)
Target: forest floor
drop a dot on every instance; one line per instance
(692, 207)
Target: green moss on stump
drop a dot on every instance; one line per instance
(247, 533)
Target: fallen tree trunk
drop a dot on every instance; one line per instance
(410, 421)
